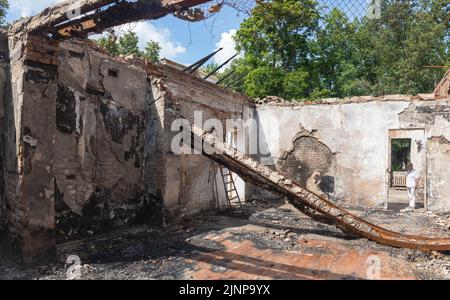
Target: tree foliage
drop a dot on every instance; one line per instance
(278, 32)
(152, 51)
(128, 44)
(109, 43)
(4, 6)
(289, 50)
(209, 68)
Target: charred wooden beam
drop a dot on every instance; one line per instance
(81, 17)
(58, 13)
(305, 200)
(118, 14)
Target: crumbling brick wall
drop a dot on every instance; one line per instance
(5, 106)
(86, 144)
(74, 156)
(27, 198)
(310, 163)
(101, 120)
(186, 181)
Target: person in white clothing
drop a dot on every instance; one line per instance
(412, 180)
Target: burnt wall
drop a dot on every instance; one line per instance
(74, 154)
(101, 119)
(434, 117)
(27, 198)
(438, 152)
(348, 139)
(5, 121)
(87, 144)
(186, 181)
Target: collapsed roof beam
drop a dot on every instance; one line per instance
(226, 76)
(81, 17)
(220, 67)
(58, 13)
(198, 64)
(120, 13)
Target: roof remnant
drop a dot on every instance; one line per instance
(442, 90)
(79, 18)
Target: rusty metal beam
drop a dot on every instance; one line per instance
(80, 17)
(252, 171)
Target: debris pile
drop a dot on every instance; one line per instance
(272, 240)
(270, 99)
(306, 201)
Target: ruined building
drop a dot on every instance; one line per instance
(86, 140)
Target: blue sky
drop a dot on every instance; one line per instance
(182, 41)
(205, 36)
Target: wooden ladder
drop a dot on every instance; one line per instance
(229, 185)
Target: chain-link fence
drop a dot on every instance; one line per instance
(360, 47)
(353, 8)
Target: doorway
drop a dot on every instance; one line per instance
(400, 157)
(406, 145)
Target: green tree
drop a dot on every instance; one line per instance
(295, 85)
(290, 51)
(128, 44)
(275, 42)
(391, 53)
(264, 81)
(235, 75)
(278, 31)
(4, 6)
(426, 43)
(210, 67)
(152, 52)
(109, 43)
(334, 49)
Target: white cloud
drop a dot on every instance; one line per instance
(229, 47)
(147, 32)
(26, 8)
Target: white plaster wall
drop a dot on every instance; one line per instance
(438, 161)
(357, 133)
(441, 127)
(438, 176)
